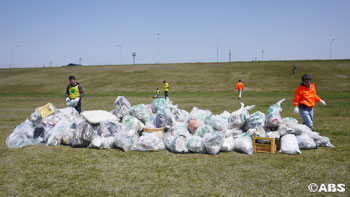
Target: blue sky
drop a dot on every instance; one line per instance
(37, 32)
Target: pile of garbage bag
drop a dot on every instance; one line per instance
(197, 131)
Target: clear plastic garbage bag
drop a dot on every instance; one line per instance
(273, 116)
(289, 145)
(82, 135)
(195, 144)
(141, 112)
(305, 142)
(257, 119)
(23, 135)
(238, 117)
(228, 145)
(122, 107)
(244, 144)
(149, 142)
(213, 142)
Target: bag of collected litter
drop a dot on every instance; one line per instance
(179, 114)
(60, 131)
(195, 144)
(23, 135)
(257, 119)
(82, 135)
(232, 132)
(175, 143)
(203, 129)
(125, 139)
(164, 119)
(244, 144)
(258, 132)
(291, 127)
(289, 145)
(228, 145)
(238, 117)
(72, 103)
(140, 112)
(201, 115)
(159, 104)
(109, 127)
(305, 142)
(35, 117)
(289, 119)
(219, 123)
(324, 142)
(122, 107)
(148, 142)
(273, 117)
(179, 129)
(273, 134)
(132, 123)
(100, 142)
(213, 142)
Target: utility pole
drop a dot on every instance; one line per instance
(262, 55)
(13, 57)
(158, 47)
(330, 49)
(217, 51)
(80, 60)
(121, 54)
(134, 55)
(229, 55)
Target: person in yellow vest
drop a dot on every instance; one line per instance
(166, 89)
(74, 92)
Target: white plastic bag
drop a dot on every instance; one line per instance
(305, 142)
(257, 119)
(213, 142)
(273, 117)
(148, 142)
(195, 144)
(228, 145)
(289, 144)
(244, 144)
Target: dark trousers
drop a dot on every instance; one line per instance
(166, 94)
(78, 107)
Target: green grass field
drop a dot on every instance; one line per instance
(66, 171)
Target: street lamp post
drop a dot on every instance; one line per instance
(121, 54)
(13, 56)
(330, 49)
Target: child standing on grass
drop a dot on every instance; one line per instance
(239, 87)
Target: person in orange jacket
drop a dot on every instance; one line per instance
(304, 100)
(239, 87)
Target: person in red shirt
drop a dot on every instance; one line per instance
(304, 100)
(239, 87)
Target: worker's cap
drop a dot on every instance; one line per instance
(305, 77)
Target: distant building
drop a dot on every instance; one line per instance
(71, 64)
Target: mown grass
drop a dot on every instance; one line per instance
(52, 171)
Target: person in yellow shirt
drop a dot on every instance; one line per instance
(74, 92)
(166, 89)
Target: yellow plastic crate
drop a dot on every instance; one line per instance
(46, 110)
(264, 148)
